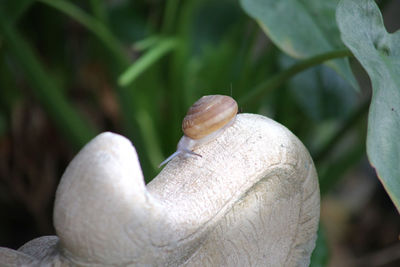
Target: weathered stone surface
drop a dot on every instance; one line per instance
(252, 199)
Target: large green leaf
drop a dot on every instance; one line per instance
(363, 31)
(301, 28)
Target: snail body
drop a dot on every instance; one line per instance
(204, 121)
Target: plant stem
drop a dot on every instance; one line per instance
(337, 169)
(99, 10)
(129, 103)
(169, 16)
(92, 24)
(342, 131)
(146, 43)
(282, 77)
(146, 60)
(70, 123)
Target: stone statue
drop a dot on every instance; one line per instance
(251, 199)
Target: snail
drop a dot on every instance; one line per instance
(204, 121)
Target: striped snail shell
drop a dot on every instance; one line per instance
(204, 121)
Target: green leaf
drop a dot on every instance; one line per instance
(145, 61)
(68, 120)
(363, 31)
(320, 255)
(92, 24)
(301, 29)
(13, 10)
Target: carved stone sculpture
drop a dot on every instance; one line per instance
(252, 199)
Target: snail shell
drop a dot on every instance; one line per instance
(204, 121)
(208, 114)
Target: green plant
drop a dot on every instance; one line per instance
(159, 57)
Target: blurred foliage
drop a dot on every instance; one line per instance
(134, 67)
(320, 254)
